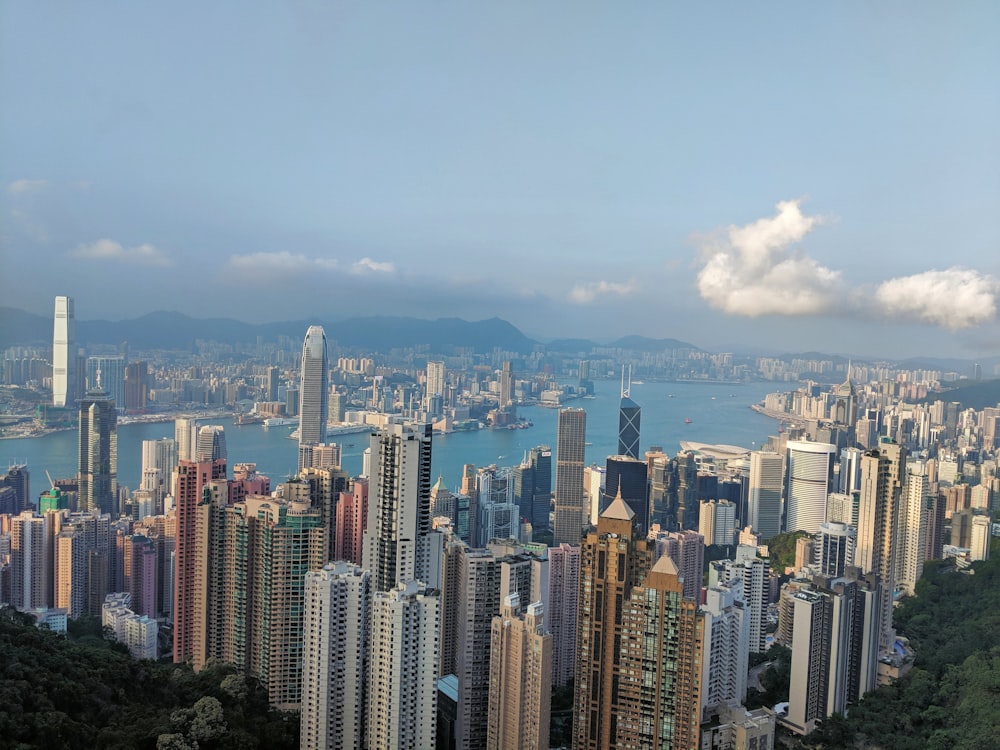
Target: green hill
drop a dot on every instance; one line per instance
(84, 692)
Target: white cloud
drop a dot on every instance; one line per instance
(21, 187)
(585, 293)
(282, 262)
(367, 265)
(954, 298)
(750, 271)
(105, 249)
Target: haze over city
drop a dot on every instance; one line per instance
(783, 176)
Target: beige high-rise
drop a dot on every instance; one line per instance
(520, 678)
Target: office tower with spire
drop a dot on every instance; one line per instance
(810, 480)
(397, 543)
(403, 658)
(570, 499)
(520, 678)
(629, 415)
(314, 391)
(613, 559)
(98, 454)
(64, 377)
(107, 373)
(764, 504)
(335, 657)
(882, 471)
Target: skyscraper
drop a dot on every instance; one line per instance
(211, 443)
(314, 389)
(190, 479)
(107, 373)
(570, 497)
(810, 480)
(402, 689)
(626, 475)
(98, 454)
(64, 377)
(878, 517)
(613, 560)
(435, 383)
(629, 415)
(764, 506)
(335, 657)
(540, 458)
(911, 530)
(397, 547)
(564, 584)
(520, 678)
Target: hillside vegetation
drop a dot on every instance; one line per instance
(83, 692)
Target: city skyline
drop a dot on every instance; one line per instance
(664, 171)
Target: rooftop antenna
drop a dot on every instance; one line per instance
(627, 388)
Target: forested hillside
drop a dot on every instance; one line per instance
(83, 692)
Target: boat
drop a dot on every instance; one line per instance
(687, 420)
(280, 421)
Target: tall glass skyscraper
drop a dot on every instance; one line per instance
(571, 435)
(98, 456)
(313, 389)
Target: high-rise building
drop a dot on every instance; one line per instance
(506, 396)
(626, 476)
(136, 386)
(31, 560)
(211, 443)
(98, 455)
(540, 459)
(107, 373)
(564, 584)
(159, 459)
(314, 389)
(397, 543)
(882, 471)
(520, 678)
(64, 376)
(755, 573)
(613, 560)
(911, 529)
(570, 502)
(726, 650)
(190, 479)
(352, 515)
(810, 479)
(629, 417)
(435, 383)
(498, 515)
(186, 438)
(717, 522)
(335, 657)
(687, 550)
(834, 647)
(661, 655)
(835, 548)
(403, 656)
(764, 505)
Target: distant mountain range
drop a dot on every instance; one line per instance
(174, 330)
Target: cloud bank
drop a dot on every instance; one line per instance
(105, 249)
(755, 270)
(585, 293)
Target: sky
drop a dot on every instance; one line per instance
(773, 176)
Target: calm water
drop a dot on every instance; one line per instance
(719, 414)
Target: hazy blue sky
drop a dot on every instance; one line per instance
(786, 175)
